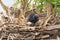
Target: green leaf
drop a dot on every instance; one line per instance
(17, 2)
(30, 6)
(58, 9)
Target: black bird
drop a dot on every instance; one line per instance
(33, 18)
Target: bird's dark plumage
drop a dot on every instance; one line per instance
(33, 18)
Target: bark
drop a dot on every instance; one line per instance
(4, 6)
